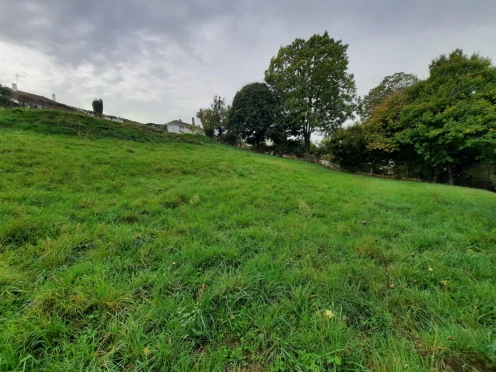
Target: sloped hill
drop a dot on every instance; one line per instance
(126, 249)
(81, 125)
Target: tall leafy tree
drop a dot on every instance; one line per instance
(443, 126)
(253, 113)
(311, 78)
(450, 118)
(214, 118)
(389, 86)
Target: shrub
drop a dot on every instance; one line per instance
(230, 138)
(348, 148)
(98, 106)
(5, 97)
(294, 147)
(481, 175)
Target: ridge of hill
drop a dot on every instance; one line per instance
(35, 101)
(122, 248)
(78, 124)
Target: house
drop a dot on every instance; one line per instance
(177, 126)
(34, 101)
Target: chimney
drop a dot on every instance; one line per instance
(14, 87)
(54, 98)
(193, 120)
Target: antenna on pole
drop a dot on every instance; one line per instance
(19, 76)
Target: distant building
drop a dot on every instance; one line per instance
(34, 101)
(177, 126)
(30, 100)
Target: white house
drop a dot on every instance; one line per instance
(177, 126)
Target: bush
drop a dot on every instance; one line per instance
(5, 97)
(482, 175)
(209, 132)
(348, 148)
(98, 106)
(230, 138)
(294, 147)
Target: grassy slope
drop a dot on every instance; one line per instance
(163, 254)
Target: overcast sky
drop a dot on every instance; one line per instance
(159, 60)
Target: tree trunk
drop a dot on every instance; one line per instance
(450, 174)
(307, 143)
(308, 133)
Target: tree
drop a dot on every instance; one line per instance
(389, 86)
(5, 97)
(205, 116)
(98, 106)
(311, 79)
(439, 128)
(214, 118)
(450, 118)
(253, 113)
(348, 147)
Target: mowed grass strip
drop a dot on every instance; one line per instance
(159, 252)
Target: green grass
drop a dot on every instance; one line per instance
(126, 249)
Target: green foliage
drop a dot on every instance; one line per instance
(206, 117)
(214, 118)
(98, 106)
(289, 146)
(253, 113)
(230, 138)
(311, 78)
(450, 119)
(349, 148)
(388, 87)
(84, 126)
(5, 97)
(481, 174)
(163, 255)
(437, 128)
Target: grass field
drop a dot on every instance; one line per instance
(126, 249)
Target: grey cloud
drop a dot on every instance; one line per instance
(156, 58)
(77, 31)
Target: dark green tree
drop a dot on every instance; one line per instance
(441, 128)
(253, 113)
(450, 118)
(5, 97)
(312, 81)
(98, 106)
(348, 147)
(389, 86)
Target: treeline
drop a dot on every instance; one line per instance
(307, 89)
(441, 129)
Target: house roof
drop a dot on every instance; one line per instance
(31, 98)
(178, 122)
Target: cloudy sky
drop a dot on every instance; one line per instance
(159, 60)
